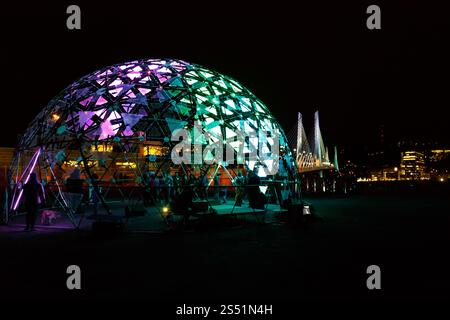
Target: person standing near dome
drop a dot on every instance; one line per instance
(34, 198)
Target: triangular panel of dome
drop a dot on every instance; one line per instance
(197, 137)
(221, 83)
(204, 91)
(127, 132)
(181, 108)
(209, 156)
(235, 88)
(193, 75)
(259, 107)
(212, 110)
(84, 119)
(100, 91)
(216, 132)
(128, 106)
(229, 133)
(179, 68)
(163, 78)
(244, 107)
(116, 83)
(238, 124)
(126, 66)
(191, 81)
(101, 101)
(200, 98)
(226, 111)
(144, 91)
(211, 125)
(145, 80)
(175, 124)
(207, 120)
(164, 70)
(82, 93)
(133, 75)
(86, 101)
(162, 96)
(115, 92)
(206, 74)
(131, 119)
(201, 109)
(155, 133)
(139, 99)
(107, 130)
(175, 82)
(231, 105)
(173, 92)
(217, 91)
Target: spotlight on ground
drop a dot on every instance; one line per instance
(306, 210)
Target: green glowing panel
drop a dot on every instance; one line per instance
(230, 103)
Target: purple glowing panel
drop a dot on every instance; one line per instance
(33, 162)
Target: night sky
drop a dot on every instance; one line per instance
(293, 57)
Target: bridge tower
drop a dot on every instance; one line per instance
(319, 147)
(335, 161)
(303, 151)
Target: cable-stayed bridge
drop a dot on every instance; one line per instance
(315, 156)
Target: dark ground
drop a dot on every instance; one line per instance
(406, 236)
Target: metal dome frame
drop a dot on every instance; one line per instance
(114, 113)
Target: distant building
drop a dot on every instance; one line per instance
(412, 166)
(437, 155)
(439, 164)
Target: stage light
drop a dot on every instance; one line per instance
(165, 209)
(306, 210)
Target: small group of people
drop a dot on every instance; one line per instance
(165, 186)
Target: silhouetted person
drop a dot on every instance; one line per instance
(177, 183)
(239, 182)
(94, 196)
(34, 198)
(169, 184)
(255, 197)
(74, 183)
(202, 183)
(221, 193)
(183, 203)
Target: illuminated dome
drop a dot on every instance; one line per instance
(147, 100)
(115, 127)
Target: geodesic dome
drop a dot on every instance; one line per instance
(147, 99)
(123, 116)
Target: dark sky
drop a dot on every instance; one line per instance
(293, 57)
